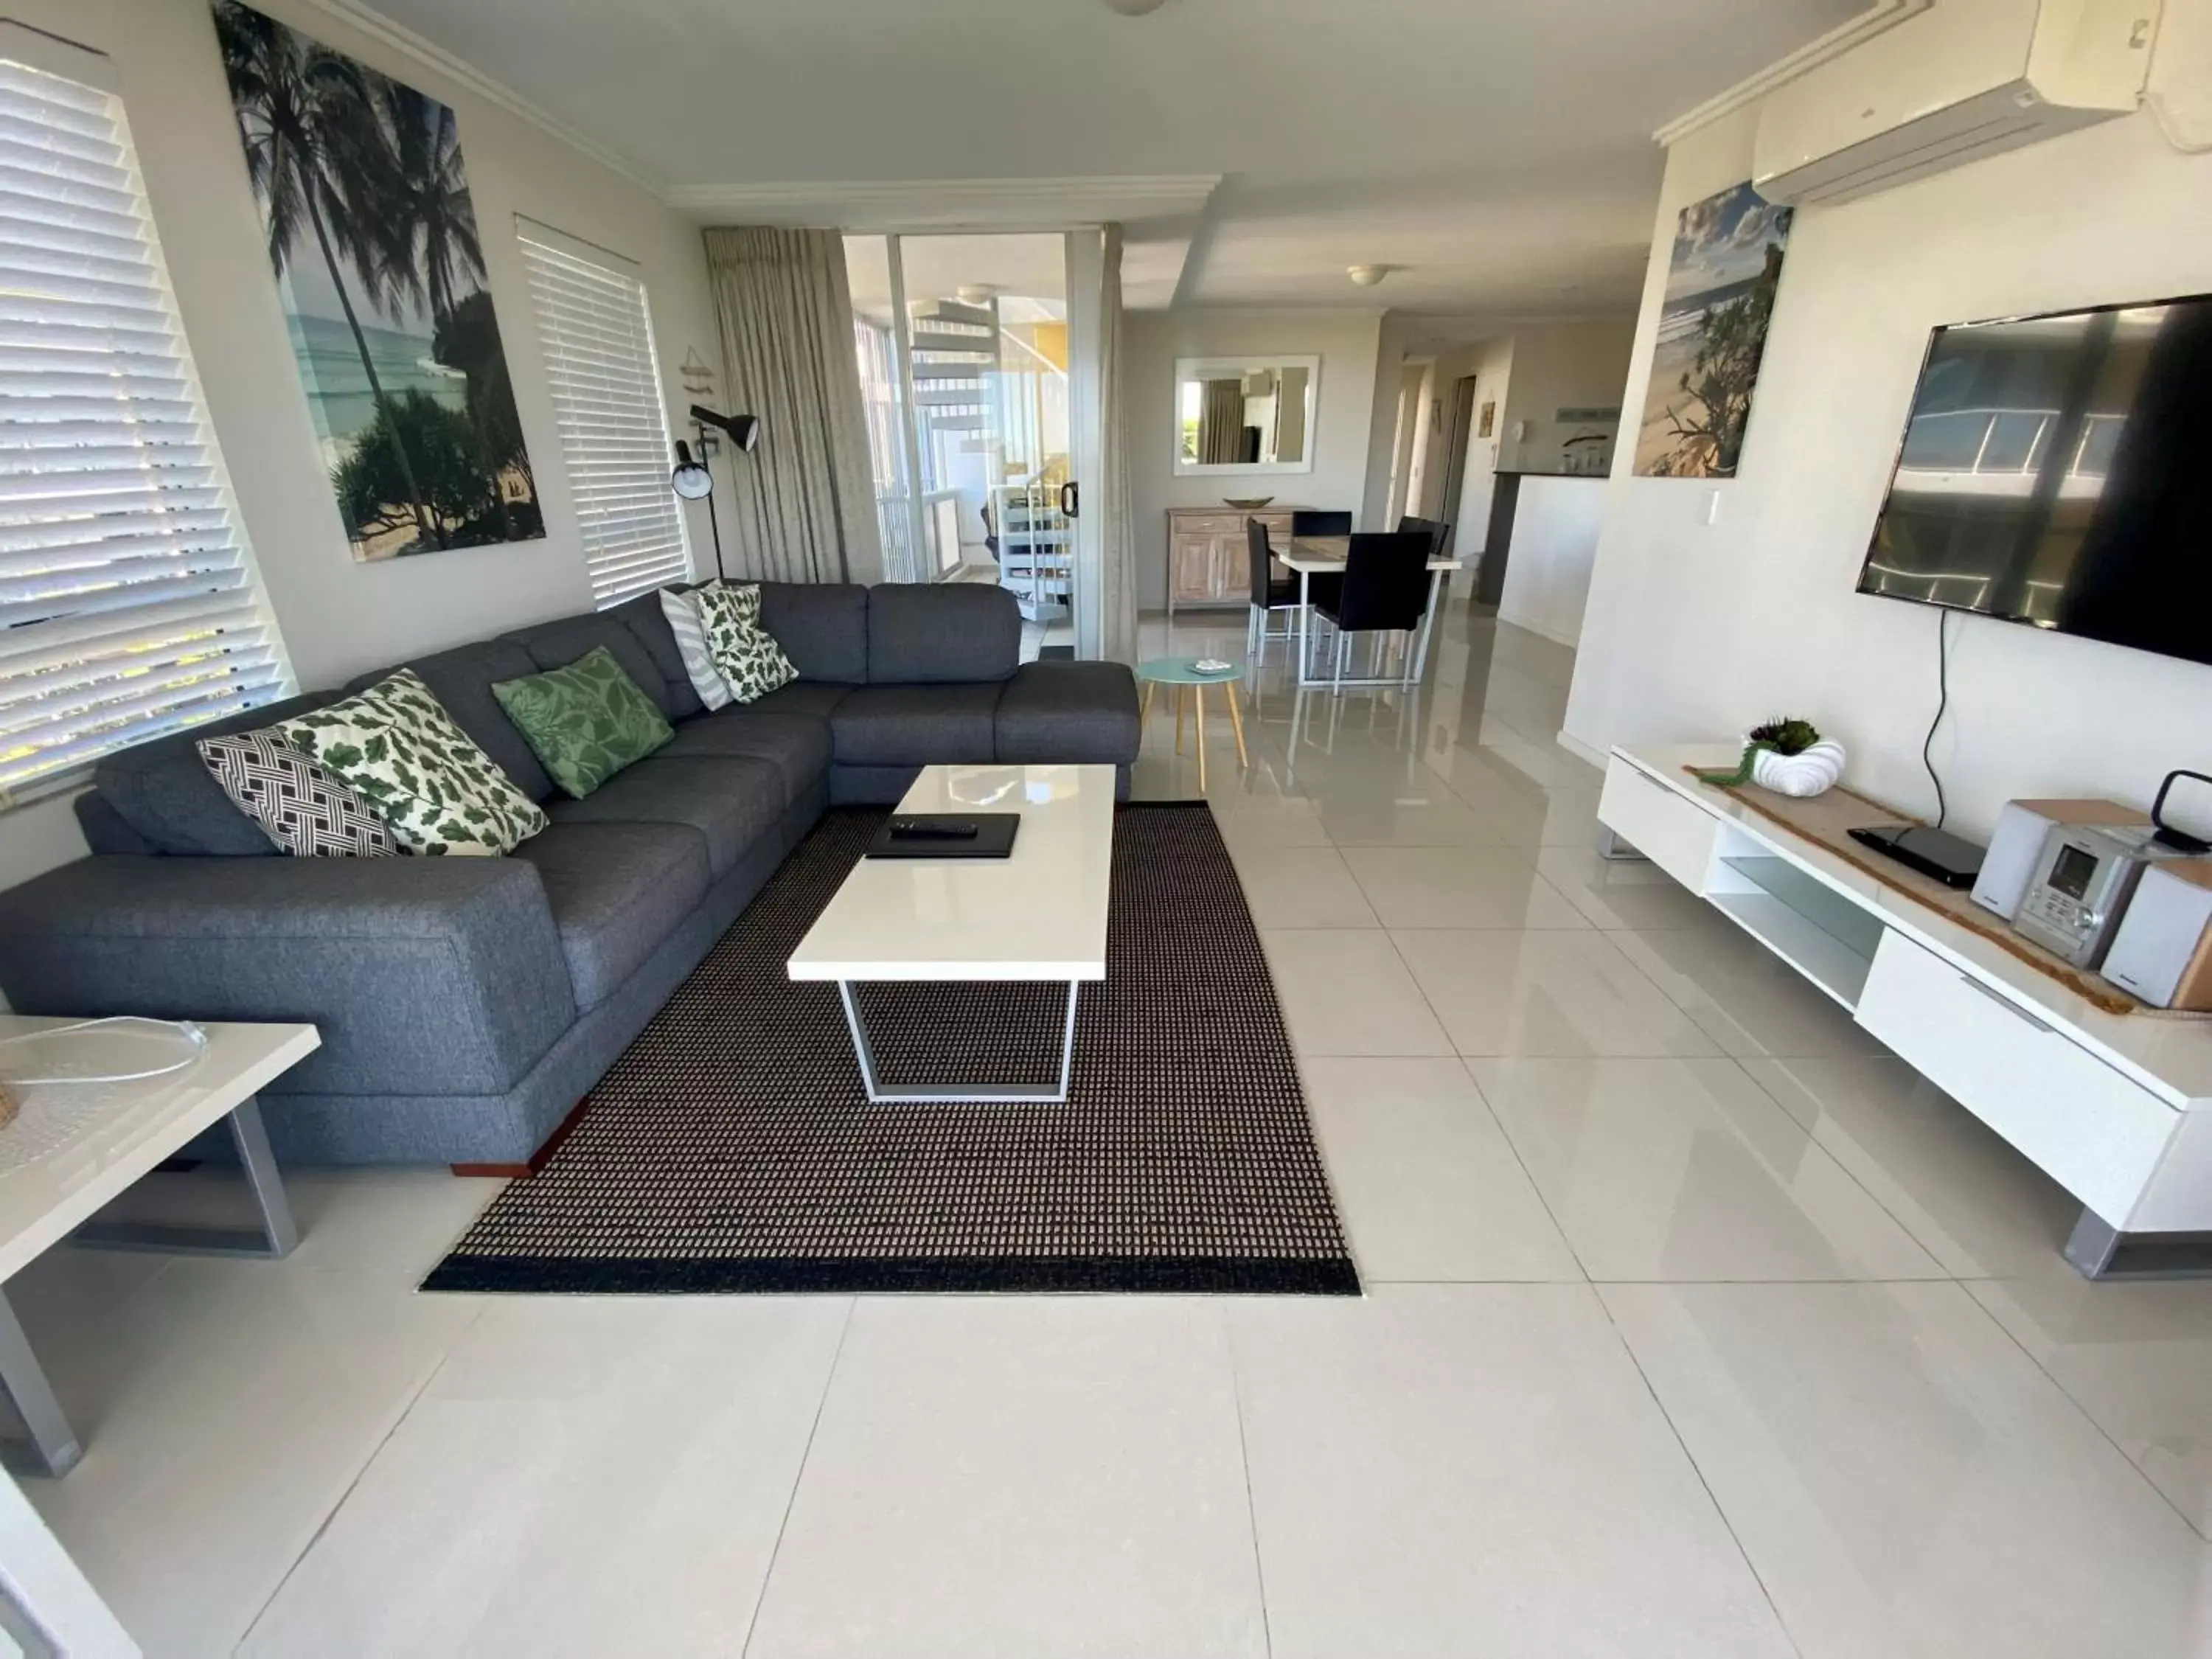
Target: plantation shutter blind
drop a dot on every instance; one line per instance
(605, 382)
(129, 606)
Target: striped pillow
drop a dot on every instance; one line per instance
(683, 614)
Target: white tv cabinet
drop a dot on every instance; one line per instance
(2115, 1107)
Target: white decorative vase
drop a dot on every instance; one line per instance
(1812, 771)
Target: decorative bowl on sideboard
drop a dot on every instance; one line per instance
(1248, 503)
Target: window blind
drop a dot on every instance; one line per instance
(607, 402)
(129, 606)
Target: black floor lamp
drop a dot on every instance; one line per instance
(693, 481)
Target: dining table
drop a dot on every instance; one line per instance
(1312, 555)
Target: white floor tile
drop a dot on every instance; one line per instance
(2136, 1358)
(1019, 1476)
(1300, 887)
(1429, 1187)
(1345, 991)
(1975, 1204)
(1478, 1469)
(585, 1476)
(1747, 998)
(1685, 1170)
(1432, 816)
(1459, 887)
(1621, 894)
(1907, 1482)
(1514, 991)
(225, 1410)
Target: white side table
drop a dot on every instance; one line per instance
(74, 1147)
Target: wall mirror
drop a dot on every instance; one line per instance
(1245, 414)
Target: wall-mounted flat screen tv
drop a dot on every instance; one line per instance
(2057, 470)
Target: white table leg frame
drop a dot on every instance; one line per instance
(883, 1094)
(53, 1447)
(275, 1237)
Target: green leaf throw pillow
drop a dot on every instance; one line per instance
(586, 721)
(400, 750)
(747, 654)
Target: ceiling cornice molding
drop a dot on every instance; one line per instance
(897, 204)
(1879, 18)
(402, 39)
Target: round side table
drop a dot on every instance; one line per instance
(1183, 674)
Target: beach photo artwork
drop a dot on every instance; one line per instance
(374, 237)
(1712, 332)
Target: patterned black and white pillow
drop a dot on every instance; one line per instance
(747, 654)
(301, 805)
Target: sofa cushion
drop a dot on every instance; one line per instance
(461, 680)
(731, 802)
(164, 793)
(804, 697)
(617, 890)
(442, 794)
(797, 745)
(1059, 712)
(916, 725)
(557, 644)
(823, 627)
(643, 616)
(954, 631)
(586, 721)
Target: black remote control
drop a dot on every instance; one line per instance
(925, 829)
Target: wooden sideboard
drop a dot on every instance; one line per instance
(1209, 560)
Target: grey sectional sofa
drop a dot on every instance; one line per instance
(466, 1005)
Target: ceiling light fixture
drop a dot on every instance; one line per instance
(1368, 276)
(1136, 8)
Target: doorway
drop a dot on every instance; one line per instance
(1462, 431)
(970, 374)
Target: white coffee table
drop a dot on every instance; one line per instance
(73, 1147)
(1039, 914)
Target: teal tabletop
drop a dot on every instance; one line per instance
(1183, 671)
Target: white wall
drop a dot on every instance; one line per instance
(1695, 630)
(1556, 524)
(340, 618)
(1345, 342)
(1583, 363)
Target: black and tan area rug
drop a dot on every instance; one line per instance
(733, 1147)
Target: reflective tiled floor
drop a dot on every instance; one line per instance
(1696, 1325)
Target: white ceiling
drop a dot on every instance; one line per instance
(1499, 150)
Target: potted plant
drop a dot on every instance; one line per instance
(1789, 756)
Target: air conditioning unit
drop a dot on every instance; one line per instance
(1962, 79)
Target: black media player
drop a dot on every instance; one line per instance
(1936, 854)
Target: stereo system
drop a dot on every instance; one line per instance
(2108, 887)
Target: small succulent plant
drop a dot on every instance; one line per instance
(1782, 735)
(1785, 736)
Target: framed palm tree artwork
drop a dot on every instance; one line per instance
(374, 238)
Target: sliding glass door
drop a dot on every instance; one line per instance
(972, 393)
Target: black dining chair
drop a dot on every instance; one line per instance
(1270, 593)
(1322, 585)
(1435, 529)
(1386, 591)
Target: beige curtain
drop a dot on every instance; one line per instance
(805, 498)
(1117, 585)
(1221, 423)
